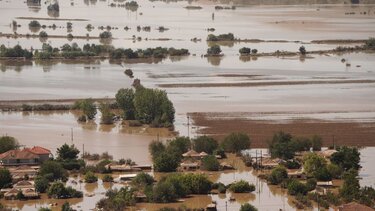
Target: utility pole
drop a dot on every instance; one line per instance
(333, 141)
(188, 125)
(71, 134)
(226, 206)
(83, 150)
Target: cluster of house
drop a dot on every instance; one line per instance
(193, 160)
(23, 165)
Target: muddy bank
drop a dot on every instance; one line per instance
(52, 19)
(260, 131)
(259, 84)
(16, 105)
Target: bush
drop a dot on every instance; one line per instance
(41, 184)
(164, 192)
(90, 177)
(214, 50)
(370, 43)
(5, 178)
(105, 35)
(241, 187)
(87, 106)
(221, 37)
(8, 143)
(302, 50)
(205, 144)
(245, 51)
(248, 207)
(107, 178)
(295, 187)
(143, 179)
(43, 34)
(347, 158)
(210, 163)
(282, 146)
(311, 184)
(235, 142)
(316, 143)
(34, 24)
(334, 170)
(166, 162)
(59, 191)
(53, 170)
(292, 164)
(117, 199)
(278, 175)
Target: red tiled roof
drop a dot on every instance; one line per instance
(40, 150)
(354, 206)
(19, 154)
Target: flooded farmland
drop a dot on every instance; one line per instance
(330, 94)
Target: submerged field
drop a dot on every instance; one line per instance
(327, 94)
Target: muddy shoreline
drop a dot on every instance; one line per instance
(346, 132)
(260, 84)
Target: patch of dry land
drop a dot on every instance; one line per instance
(261, 131)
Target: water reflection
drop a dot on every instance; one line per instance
(214, 60)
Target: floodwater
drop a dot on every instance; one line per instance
(301, 21)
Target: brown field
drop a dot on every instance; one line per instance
(260, 131)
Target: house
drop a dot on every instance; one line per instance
(26, 156)
(188, 166)
(191, 154)
(21, 172)
(354, 206)
(25, 187)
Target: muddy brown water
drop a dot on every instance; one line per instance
(289, 20)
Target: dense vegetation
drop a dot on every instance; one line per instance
(235, 142)
(221, 37)
(16, 51)
(241, 187)
(58, 191)
(214, 50)
(8, 143)
(149, 106)
(5, 178)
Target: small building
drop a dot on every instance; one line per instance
(191, 154)
(26, 156)
(324, 183)
(28, 193)
(187, 166)
(21, 172)
(354, 206)
(299, 174)
(328, 153)
(127, 176)
(24, 184)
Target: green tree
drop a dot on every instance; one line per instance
(241, 187)
(117, 200)
(313, 163)
(164, 192)
(350, 188)
(277, 175)
(8, 143)
(179, 145)
(235, 142)
(107, 178)
(66, 207)
(5, 178)
(156, 148)
(90, 177)
(125, 98)
(107, 115)
(197, 183)
(245, 51)
(166, 162)
(205, 144)
(210, 163)
(282, 146)
(59, 191)
(66, 152)
(295, 187)
(88, 107)
(41, 184)
(347, 158)
(248, 207)
(143, 179)
(334, 170)
(152, 106)
(214, 50)
(52, 170)
(316, 143)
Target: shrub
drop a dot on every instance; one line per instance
(245, 51)
(105, 35)
(302, 50)
(164, 192)
(235, 142)
(347, 158)
(214, 50)
(34, 24)
(166, 162)
(311, 184)
(254, 51)
(248, 207)
(370, 43)
(278, 175)
(41, 184)
(316, 143)
(107, 178)
(205, 144)
(8, 143)
(53, 170)
(143, 179)
(295, 187)
(281, 146)
(59, 191)
(221, 37)
(210, 163)
(292, 164)
(90, 177)
(5, 178)
(43, 34)
(334, 170)
(241, 187)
